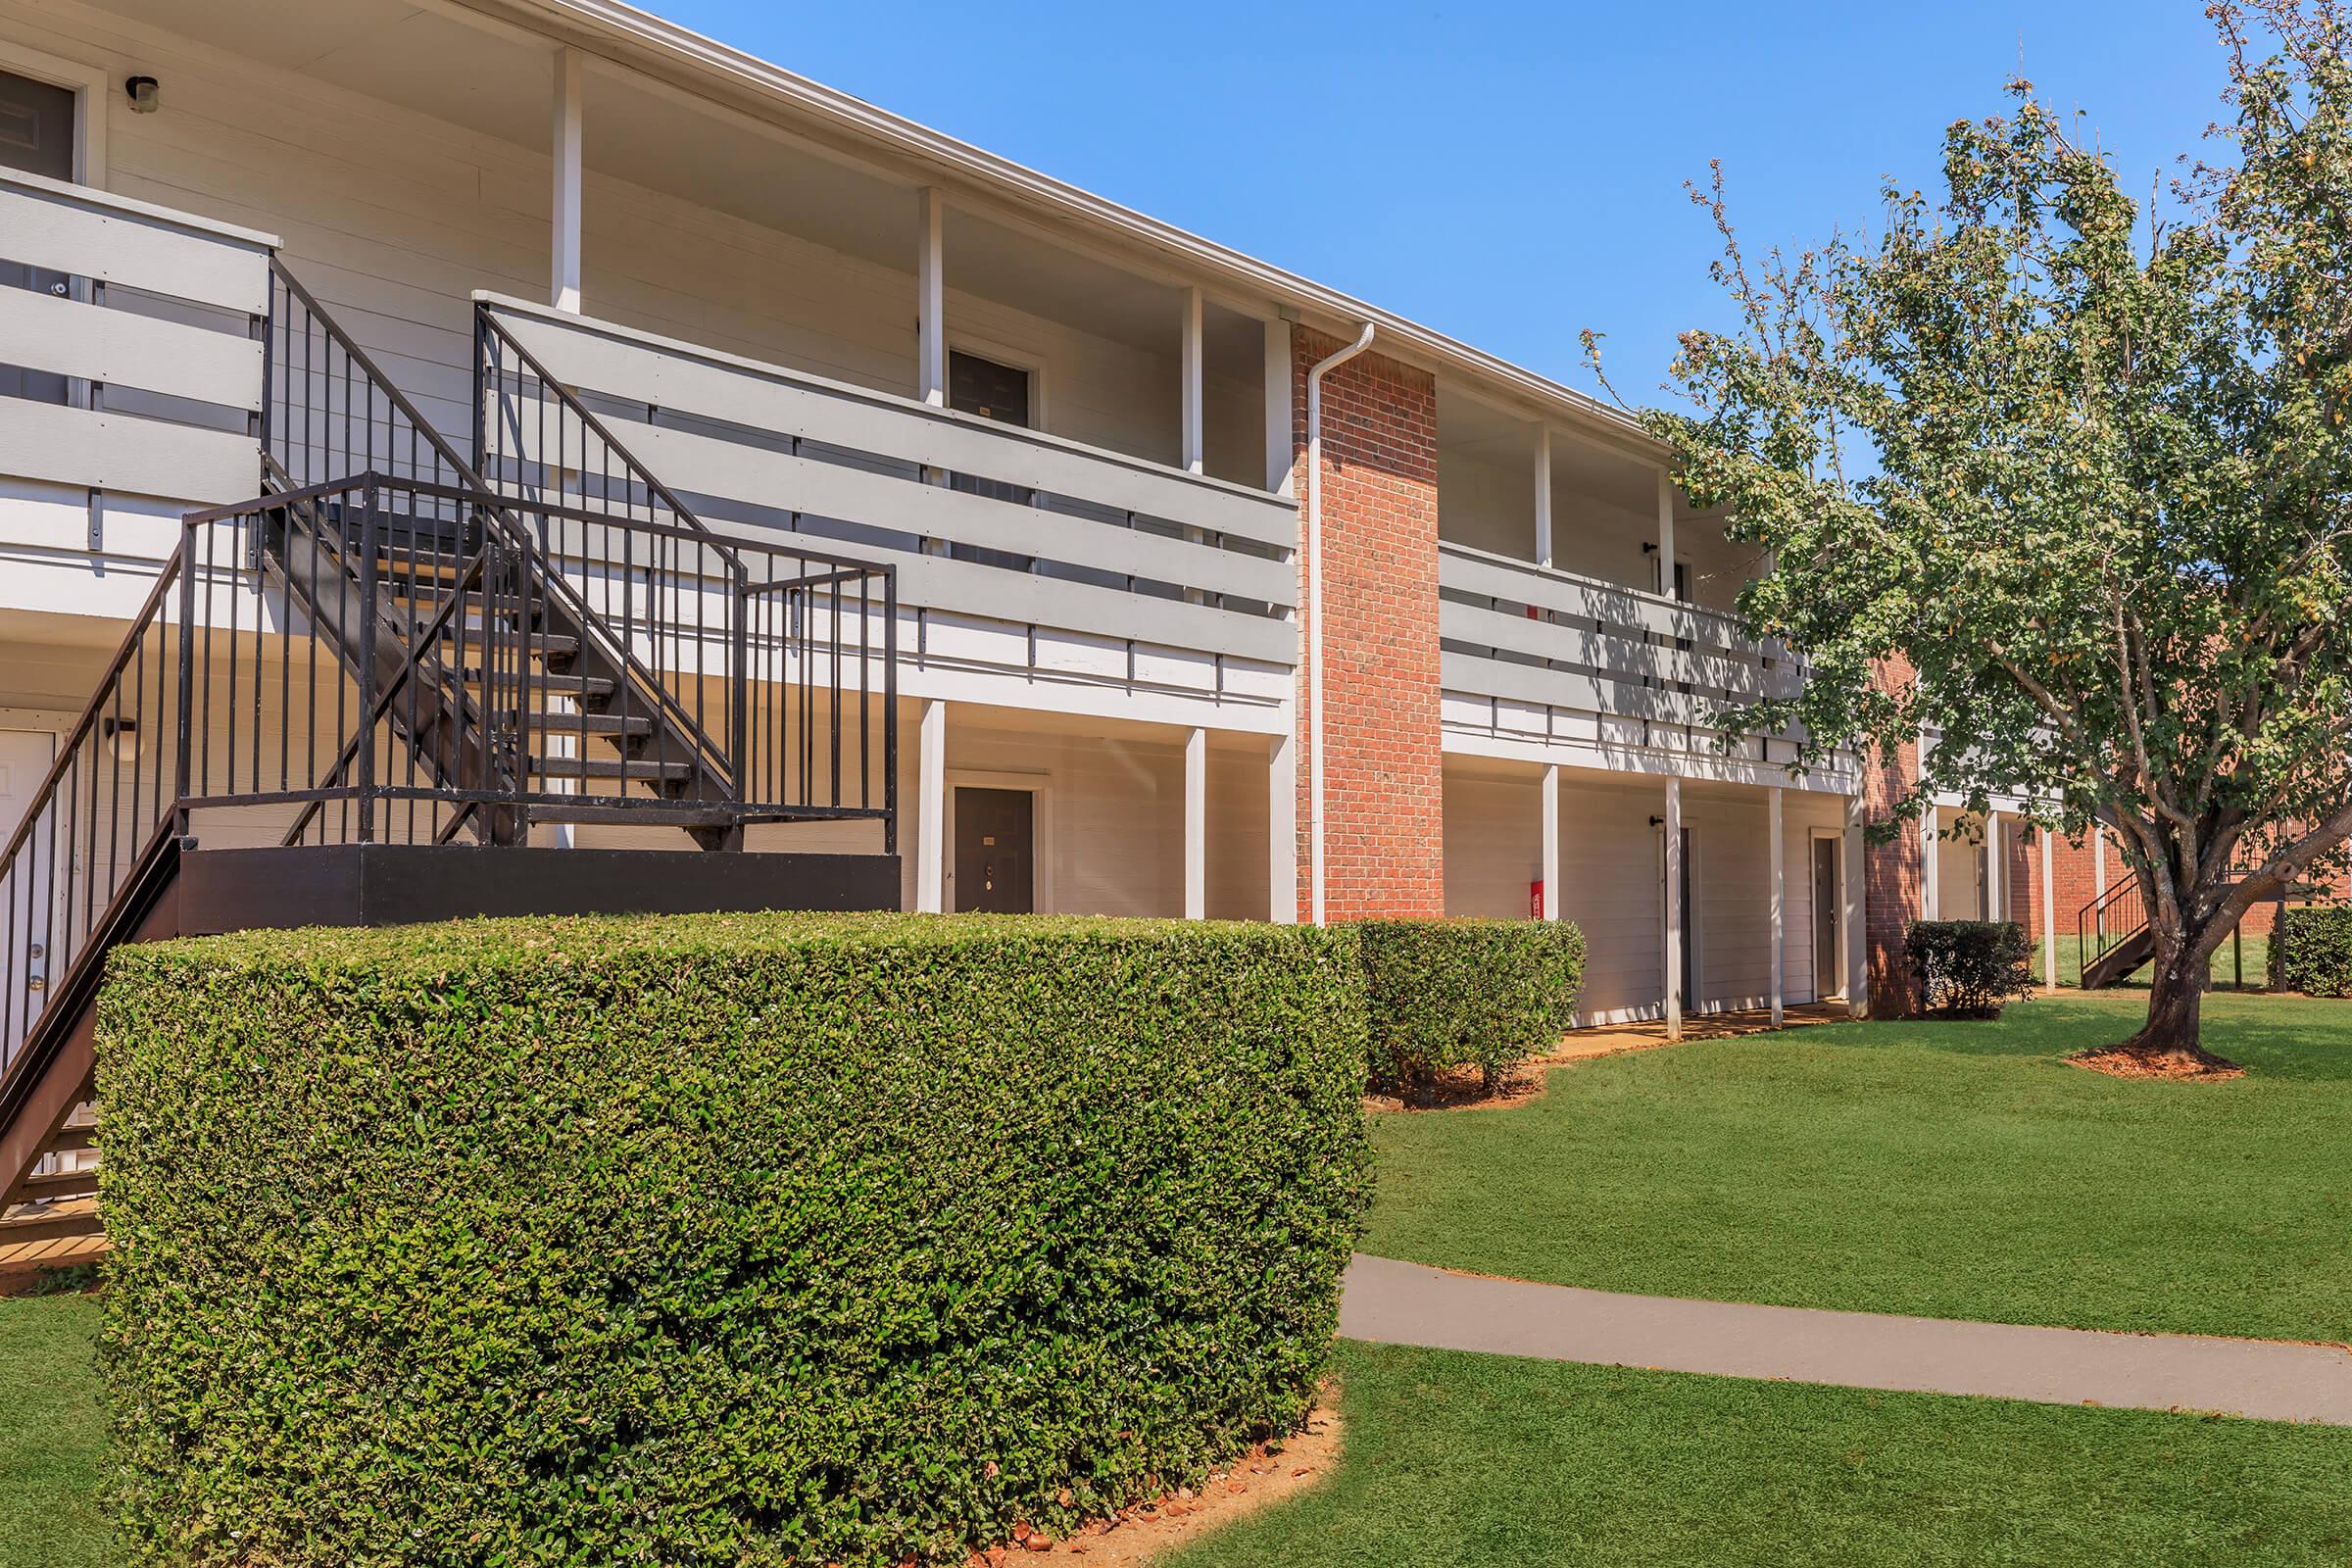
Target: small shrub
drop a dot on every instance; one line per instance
(725, 1239)
(1448, 993)
(1969, 968)
(2315, 949)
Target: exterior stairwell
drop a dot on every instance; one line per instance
(2113, 937)
(396, 648)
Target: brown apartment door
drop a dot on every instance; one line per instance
(36, 137)
(995, 850)
(1827, 980)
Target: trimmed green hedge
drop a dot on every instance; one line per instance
(1969, 968)
(727, 1239)
(1450, 994)
(2313, 950)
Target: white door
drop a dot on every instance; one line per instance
(27, 891)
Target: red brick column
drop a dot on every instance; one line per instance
(1891, 874)
(1383, 771)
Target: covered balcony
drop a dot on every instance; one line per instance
(1076, 456)
(1562, 627)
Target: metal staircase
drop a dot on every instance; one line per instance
(396, 644)
(2112, 936)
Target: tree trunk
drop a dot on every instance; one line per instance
(2167, 1045)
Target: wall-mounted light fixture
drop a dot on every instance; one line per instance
(121, 737)
(145, 96)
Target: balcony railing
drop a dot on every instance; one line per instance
(985, 522)
(136, 347)
(1634, 665)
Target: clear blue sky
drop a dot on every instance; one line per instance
(1505, 173)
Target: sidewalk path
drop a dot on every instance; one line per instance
(1406, 1304)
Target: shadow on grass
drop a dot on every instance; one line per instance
(2299, 1038)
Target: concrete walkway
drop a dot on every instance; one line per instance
(1406, 1304)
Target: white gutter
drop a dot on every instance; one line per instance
(1314, 613)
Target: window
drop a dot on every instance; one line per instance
(993, 391)
(36, 137)
(997, 392)
(36, 126)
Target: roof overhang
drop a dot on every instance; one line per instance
(890, 144)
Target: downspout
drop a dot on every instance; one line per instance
(1314, 613)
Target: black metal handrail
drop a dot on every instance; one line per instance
(332, 414)
(2108, 922)
(413, 672)
(104, 795)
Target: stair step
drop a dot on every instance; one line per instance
(604, 724)
(561, 685)
(608, 767)
(537, 645)
(76, 1216)
(62, 1183)
(74, 1135)
(591, 814)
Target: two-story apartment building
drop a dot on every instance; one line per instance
(816, 486)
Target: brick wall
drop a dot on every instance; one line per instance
(1383, 794)
(1893, 872)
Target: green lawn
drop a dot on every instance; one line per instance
(53, 1437)
(1949, 1169)
(1452, 1459)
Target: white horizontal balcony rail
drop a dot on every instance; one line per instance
(982, 520)
(1514, 632)
(142, 331)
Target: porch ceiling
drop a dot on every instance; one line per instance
(414, 56)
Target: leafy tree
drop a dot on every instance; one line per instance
(2083, 470)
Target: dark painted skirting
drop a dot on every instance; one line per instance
(405, 884)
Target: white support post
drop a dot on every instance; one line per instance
(1544, 496)
(2049, 915)
(1857, 928)
(930, 300)
(1281, 457)
(1550, 818)
(1665, 533)
(1780, 873)
(1196, 448)
(931, 810)
(1282, 831)
(1195, 826)
(1674, 908)
(2099, 860)
(563, 257)
(1930, 870)
(1996, 869)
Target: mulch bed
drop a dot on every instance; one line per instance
(1463, 1090)
(2178, 1066)
(1267, 1474)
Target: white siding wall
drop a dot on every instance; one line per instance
(1960, 875)
(1487, 504)
(1611, 881)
